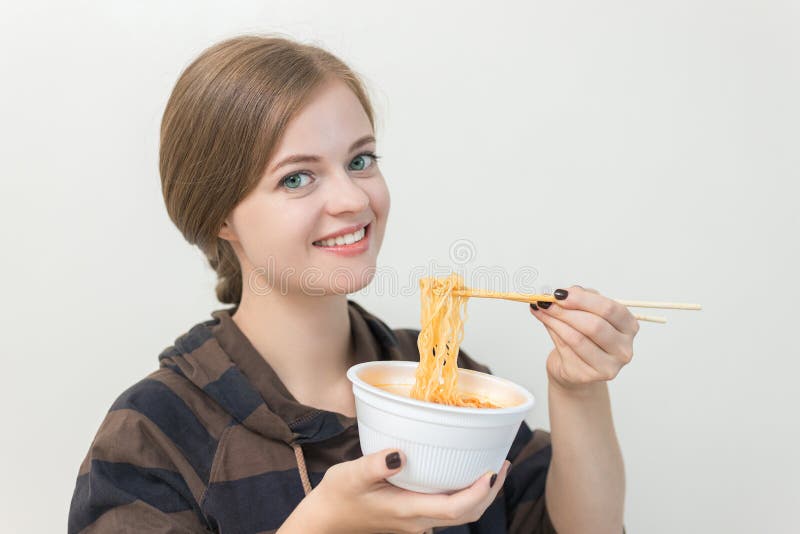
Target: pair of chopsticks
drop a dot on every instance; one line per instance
(523, 297)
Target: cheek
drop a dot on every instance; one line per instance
(380, 199)
(248, 222)
(269, 228)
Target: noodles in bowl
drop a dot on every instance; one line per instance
(453, 424)
(442, 318)
(447, 447)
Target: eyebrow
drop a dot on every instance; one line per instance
(300, 158)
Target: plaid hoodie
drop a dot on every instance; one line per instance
(213, 441)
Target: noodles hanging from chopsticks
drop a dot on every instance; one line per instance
(442, 318)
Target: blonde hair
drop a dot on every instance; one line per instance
(221, 125)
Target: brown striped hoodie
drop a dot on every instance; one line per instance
(213, 441)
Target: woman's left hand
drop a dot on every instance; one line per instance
(593, 337)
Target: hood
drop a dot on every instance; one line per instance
(218, 358)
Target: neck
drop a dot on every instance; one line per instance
(305, 339)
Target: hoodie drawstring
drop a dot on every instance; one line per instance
(301, 466)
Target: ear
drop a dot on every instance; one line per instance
(227, 232)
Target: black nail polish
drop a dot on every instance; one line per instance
(492, 480)
(560, 294)
(535, 308)
(393, 460)
(543, 304)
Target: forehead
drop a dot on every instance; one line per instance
(331, 120)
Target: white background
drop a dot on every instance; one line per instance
(646, 149)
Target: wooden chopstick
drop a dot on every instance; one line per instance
(523, 297)
(650, 318)
(665, 305)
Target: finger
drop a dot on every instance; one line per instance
(494, 486)
(476, 512)
(380, 465)
(572, 366)
(569, 359)
(592, 326)
(454, 506)
(577, 298)
(588, 289)
(451, 510)
(576, 344)
(614, 343)
(498, 485)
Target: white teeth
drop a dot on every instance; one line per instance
(347, 239)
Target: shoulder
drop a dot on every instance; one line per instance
(166, 397)
(163, 415)
(150, 460)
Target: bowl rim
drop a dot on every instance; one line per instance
(352, 375)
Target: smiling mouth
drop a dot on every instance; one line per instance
(344, 240)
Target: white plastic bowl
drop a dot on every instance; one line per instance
(447, 447)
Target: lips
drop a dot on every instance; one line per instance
(354, 249)
(343, 231)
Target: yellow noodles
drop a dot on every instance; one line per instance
(442, 318)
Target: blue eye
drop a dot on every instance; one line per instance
(370, 155)
(292, 181)
(295, 181)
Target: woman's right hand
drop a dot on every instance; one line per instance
(354, 497)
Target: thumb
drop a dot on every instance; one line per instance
(380, 465)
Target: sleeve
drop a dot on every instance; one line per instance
(135, 479)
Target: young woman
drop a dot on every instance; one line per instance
(268, 164)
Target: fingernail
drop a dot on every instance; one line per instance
(492, 480)
(543, 304)
(560, 294)
(535, 308)
(393, 460)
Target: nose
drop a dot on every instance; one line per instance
(346, 195)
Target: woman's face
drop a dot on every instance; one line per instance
(276, 230)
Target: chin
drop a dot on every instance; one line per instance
(351, 279)
(337, 279)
